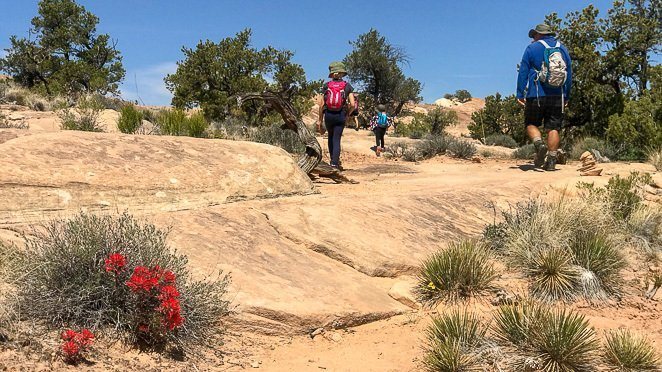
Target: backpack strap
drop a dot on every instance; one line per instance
(544, 43)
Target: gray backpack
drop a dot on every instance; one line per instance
(554, 71)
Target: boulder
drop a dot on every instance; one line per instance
(402, 291)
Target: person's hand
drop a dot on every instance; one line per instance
(521, 101)
(320, 128)
(566, 103)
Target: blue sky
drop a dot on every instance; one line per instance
(472, 45)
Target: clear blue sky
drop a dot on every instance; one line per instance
(459, 44)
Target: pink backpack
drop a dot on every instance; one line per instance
(334, 97)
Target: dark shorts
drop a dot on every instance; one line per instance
(546, 110)
(354, 113)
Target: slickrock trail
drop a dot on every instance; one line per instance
(302, 255)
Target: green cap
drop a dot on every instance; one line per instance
(337, 68)
(542, 29)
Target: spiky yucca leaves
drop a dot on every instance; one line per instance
(514, 323)
(451, 340)
(552, 273)
(462, 270)
(600, 263)
(563, 341)
(625, 351)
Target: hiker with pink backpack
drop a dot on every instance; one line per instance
(335, 105)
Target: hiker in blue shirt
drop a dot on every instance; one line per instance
(543, 87)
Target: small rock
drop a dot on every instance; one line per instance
(255, 364)
(504, 298)
(336, 337)
(316, 332)
(476, 159)
(401, 291)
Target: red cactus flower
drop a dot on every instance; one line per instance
(70, 349)
(168, 292)
(84, 338)
(68, 335)
(142, 279)
(173, 320)
(169, 277)
(115, 263)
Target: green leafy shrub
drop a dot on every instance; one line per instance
(592, 143)
(451, 340)
(196, 125)
(416, 128)
(130, 119)
(84, 117)
(461, 149)
(621, 194)
(625, 351)
(70, 283)
(636, 129)
(525, 152)
(171, 122)
(462, 270)
(501, 140)
(435, 122)
(499, 116)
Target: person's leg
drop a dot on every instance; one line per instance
(532, 119)
(382, 133)
(553, 124)
(553, 140)
(329, 139)
(337, 136)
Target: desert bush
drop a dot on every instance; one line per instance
(591, 143)
(600, 263)
(274, 135)
(130, 119)
(461, 149)
(171, 122)
(655, 158)
(645, 222)
(552, 273)
(451, 340)
(462, 95)
(499, 116)
(417, 128)
(397, 149)
(525, 152)
(433, 146)
(102, 272)
(501, 140)
(626, 351)
(84, 117)
(514, 323)
(622, 195)
(9, 271)
(149, 115)
(196, 125)
(461, 270)
(637, 127)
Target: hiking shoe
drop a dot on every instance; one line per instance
(539, 159)
(378, 151)
(550, 164)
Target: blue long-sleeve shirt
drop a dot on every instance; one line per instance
(532, 61)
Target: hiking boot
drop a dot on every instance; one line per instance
(550, 164)
(541, 151)
(378, 151)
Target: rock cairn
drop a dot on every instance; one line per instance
(588, 166)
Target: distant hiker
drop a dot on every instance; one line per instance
(334, 108)
(545, 78)
(355, 113)
(379, 124)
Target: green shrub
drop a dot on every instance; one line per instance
(552, 273)
(621, 194)
(592, 143)
(171, 122)
(462, 270)
(461, 149)
(499, 116)
(397, 149)
(525, 152)
(417, 127)
(625, 351)
(196, 125)
(439, 119)
(432, 146)
(501, 140)
(129, 120)
(451, 340)
(636, 129)
(84, 117)
(68, 286)
(462, 95)
(514, 323)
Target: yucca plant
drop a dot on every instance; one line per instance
(563, 341)
(553, 275)
(600, 263)
(625, 351)
(514, 323)
(462, 270)
(451, 341)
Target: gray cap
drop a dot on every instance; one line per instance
(542, 29)
(381, 108)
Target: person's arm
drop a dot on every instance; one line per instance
(567, 88)
(351, 104)
(320, 113)
(523, 77)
